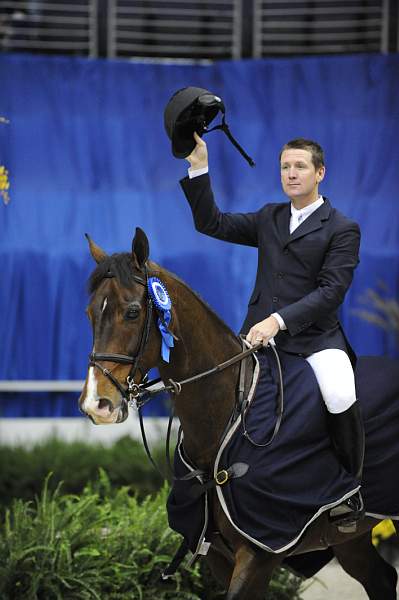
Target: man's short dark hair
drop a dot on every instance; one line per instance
(313, 147)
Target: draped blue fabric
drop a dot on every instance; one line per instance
(87, 152)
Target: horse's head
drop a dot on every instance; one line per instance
(125, 345)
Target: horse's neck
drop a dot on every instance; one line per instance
(203, 407)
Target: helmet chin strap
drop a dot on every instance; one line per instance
(211, 101)
(225, 128)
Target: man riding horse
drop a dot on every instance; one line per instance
(249, 506)
(307, 253)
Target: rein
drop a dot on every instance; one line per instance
(142, 394)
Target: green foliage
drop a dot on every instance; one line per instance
(92, 541)
(284, 586)
(99, 545)
(104, 545)
(23, 470)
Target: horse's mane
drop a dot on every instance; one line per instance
(119, 265)
(185, 285)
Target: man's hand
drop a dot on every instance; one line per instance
(263, 331)
(198, 158)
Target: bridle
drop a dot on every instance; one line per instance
(129, 393)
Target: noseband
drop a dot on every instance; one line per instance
(131, 392)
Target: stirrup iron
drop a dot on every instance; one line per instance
(346, 515)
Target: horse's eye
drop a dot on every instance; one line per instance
(133, 311)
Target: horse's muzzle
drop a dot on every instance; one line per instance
(104, 412)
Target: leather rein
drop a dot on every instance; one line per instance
(136, 395)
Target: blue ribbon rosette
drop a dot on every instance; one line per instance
(163, 304)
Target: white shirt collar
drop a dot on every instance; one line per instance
(307, 210)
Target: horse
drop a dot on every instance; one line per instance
(127, 343)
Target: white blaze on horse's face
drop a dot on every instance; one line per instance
(101, 412)
(91, 398)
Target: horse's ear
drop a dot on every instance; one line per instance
(97, 253)
(140, 248)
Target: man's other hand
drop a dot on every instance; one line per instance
(263, 331)
(198, 158)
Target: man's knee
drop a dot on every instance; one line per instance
(338, 401)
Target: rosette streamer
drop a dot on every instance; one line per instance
(163, 304)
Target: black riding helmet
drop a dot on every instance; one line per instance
(193, 109)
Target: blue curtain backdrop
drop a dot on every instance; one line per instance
(86, 152)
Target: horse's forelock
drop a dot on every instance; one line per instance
(119, 266)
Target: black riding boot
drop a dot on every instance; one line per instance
(347, 436)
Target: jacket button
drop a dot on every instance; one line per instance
(280, 275)
(275, 299)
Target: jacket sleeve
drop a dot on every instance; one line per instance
(334, 279)
(239, 228)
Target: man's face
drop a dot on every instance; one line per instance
(299, 178)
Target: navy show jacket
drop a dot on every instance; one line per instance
(303, 276)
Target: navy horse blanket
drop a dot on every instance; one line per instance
(297, 477)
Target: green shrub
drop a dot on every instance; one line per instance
(103, 545)
(100, 545)
(22, 470)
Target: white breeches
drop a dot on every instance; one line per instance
(334, 374)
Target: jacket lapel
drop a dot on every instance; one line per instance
(312, 223)
(282, 221)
